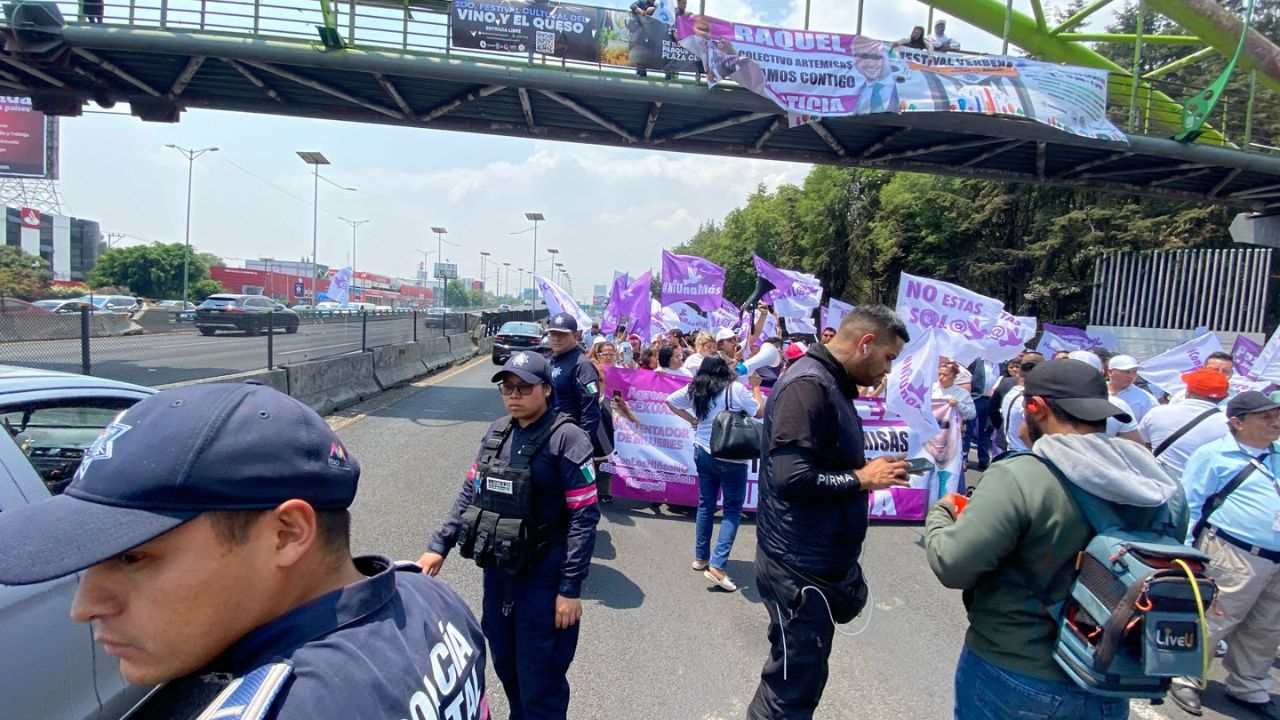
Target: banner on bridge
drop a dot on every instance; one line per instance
(653, 458)
(573, 32)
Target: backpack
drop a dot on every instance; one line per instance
(1134, 614)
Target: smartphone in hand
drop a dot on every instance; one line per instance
(919, 466)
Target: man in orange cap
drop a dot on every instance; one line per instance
(1174, 431)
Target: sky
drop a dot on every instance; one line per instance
(606, 209)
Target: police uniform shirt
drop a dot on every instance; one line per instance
(398, 644)
(1165, 420)
(1252, 512)
(564, 487)
(577, 392)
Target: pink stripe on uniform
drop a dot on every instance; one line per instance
(580, 497)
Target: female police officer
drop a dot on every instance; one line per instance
(527, 514)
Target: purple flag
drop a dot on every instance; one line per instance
(1244, 353)
(795, 294)
(630, 301)
(1063, 337)
(687, 278)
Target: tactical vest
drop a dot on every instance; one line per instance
(499, 530)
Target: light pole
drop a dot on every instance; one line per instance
(536, 218)
(553, 252)
(507, 285)
(440, 232)
(191, 156)
(560, 267)
(484, 277)
(354, 224)
(315, 160)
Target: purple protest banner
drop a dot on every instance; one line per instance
(1063, 337)
(795, 294)
(965, 317)
(1244, 353)
(628, 299)
(687, 278)
(653, 457)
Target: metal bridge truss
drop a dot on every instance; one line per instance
(236, 56)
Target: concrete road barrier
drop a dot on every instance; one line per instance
(397, 364)
(24, 326)
(158, 320)
(332, 383)
(276, 379)
(485, 347)
(435, 352)
(461, 347)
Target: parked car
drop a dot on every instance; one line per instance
(51, 669)
(301, 307)
(246, 313)
(65, 307)
(515, 336)
(174, 305)
(437, 317)
(14, 306)
(123, 304)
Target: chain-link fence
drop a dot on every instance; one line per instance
(114, 346)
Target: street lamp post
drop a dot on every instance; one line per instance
(553, 252)
(536, 218)
(315, 160)
(484, 277)
(191, 156)
(354, 224)
(440, 233)
(507, 284)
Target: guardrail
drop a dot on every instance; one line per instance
(425, 26)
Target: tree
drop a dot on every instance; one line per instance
(153, 271)
(22, 275)
(455, 294)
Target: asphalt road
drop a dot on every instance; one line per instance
(161, 358)
(657, 641)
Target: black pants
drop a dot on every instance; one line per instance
(530, 656)
(800, 634)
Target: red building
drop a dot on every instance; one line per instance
(280, 286)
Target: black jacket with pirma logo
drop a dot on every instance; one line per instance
(812, 511)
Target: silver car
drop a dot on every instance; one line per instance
(51, 668)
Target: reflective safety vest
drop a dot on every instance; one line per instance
(499, 529)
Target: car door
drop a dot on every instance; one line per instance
(59, 672)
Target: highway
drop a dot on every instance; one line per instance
(162, 358)
(657, 641)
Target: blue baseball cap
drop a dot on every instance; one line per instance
(562, 322)
(530, 367)
(169, 458)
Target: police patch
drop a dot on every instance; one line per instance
(498, 485)
(593, 388)
(588, 471)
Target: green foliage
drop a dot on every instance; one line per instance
(21, 275)
(153, 271)
(66, 292)
(1032, 247)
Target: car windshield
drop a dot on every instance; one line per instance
(54, 438)
(216, 301)
(520, 328)
(97, 300)
(50, 304)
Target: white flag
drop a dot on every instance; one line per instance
(1267, 366)
(801, 325)
(340, 286)
(1165, 370)
(909, 392)
(1008, 338)
(833, 314)
(964, 317)
(559, 301)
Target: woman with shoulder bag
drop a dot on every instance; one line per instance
(712, 392)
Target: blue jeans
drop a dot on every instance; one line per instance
(717, 476)
(986, 692)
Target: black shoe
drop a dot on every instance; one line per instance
(1268, 709)
(1187, 698)
(606, 499)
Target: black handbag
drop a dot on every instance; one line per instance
(735, 435)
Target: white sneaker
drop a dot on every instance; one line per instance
(723, 582)
(699, 565)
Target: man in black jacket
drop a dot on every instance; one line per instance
(814, 487)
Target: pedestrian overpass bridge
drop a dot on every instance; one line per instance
(381, 61)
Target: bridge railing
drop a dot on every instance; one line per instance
(426, 26)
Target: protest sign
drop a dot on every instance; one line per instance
(911, 379)
(687, 278)
(795, 294)
(1063, 337)
(1244, 354)
(1267, 364)
(653, 457)
(1165, 370)
(1008, 338)
(689, 318)
(966, 317)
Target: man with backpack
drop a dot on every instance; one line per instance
(1232, 491)
(1013, 545)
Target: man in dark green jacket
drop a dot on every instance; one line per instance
(1020, 527)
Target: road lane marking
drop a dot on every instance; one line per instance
(339, 423)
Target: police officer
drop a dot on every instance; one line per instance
(211, 526)
(527, 514)
(577, 389)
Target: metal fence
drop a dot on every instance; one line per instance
(93, 345)
(1223, 290)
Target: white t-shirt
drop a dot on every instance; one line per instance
(739, 398)
(693, 362)
(1012, 411)
(680, 371)
(964, 402)
(1114, 426)
(1140, 401)
(1165, 420)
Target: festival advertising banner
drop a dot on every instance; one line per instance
(653, 457)
(1072, 99)
(967, 317)
(570, 31)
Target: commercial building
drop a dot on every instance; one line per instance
(70, 245)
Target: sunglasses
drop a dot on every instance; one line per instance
(520, 390)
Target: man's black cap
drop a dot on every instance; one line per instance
(1249, 401)
(1076, 387)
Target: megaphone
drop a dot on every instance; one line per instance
(762, 286)
(767, 356)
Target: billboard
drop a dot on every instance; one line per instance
(446, 271)
(25, 143)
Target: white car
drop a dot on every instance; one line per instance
(51, 669)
